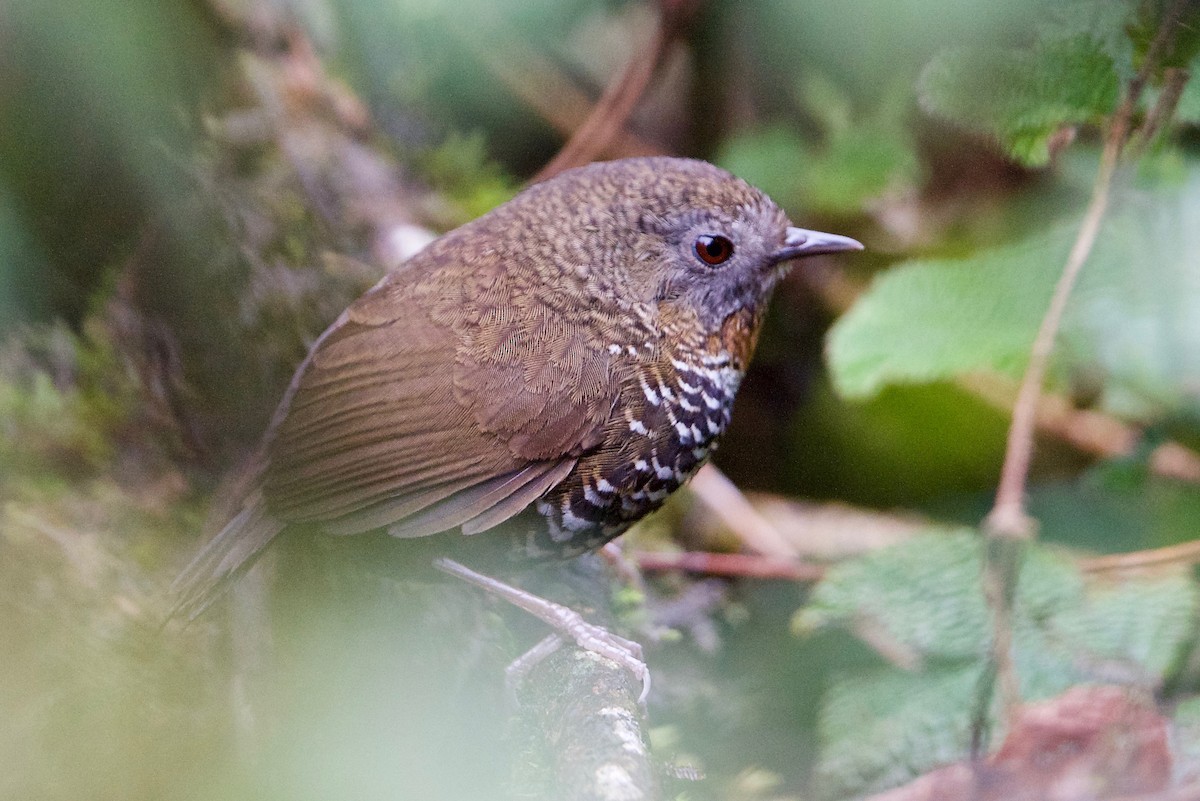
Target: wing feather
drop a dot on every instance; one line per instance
(517, 489)
(401, 418)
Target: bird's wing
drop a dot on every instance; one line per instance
(426, 407)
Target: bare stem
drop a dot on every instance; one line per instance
(730, 565)
(1008, 526)
(621, 96)
(1008, 517)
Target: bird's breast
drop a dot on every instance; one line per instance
(667, 423)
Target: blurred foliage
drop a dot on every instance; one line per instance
(1022, 99)
(855, 162)
(93, 115)
(63, 403)
(883, 723)
(180, 217)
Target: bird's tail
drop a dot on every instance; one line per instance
(226, 556)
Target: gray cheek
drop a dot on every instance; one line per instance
(730, 293)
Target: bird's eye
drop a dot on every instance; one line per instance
(713, 248)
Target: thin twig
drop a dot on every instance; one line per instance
(621, 96)
(542, 85)
(1008, 518)
(1181, 554)
(1174, 81)
(1089, 430)
(1008, 526)
(723, 498)
(738, 565)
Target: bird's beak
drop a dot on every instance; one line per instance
(801, 242)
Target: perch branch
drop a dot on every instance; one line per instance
(579, 720)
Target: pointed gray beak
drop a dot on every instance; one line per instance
(802, 242)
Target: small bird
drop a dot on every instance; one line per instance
(562, 363)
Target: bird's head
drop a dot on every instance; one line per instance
(681, 231)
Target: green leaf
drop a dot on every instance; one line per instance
(881, 728)
(880, 725)
(1106, 23)
(1021, 98)
(925, 594)
(1132, 318)
(930, 320)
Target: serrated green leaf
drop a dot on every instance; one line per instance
(1134, 317)
(883, 727)
(925, 594)
(929, 320)
(1104, 22)
(1021, 98)
(880, 725)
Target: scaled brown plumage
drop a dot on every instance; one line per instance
(569, 358)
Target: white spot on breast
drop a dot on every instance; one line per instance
(688, 406)
(670, 410)
(688, 388)
(695, 433)
(603, 485)
(662, 471)
(713, 428)
(666, 392)
(639, 427)
(594, 498)
(614, 349)
(651, 395)
(684, 432)
(710, 401)
(700, 454)
(640, 465)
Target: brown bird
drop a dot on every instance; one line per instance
(568, 360)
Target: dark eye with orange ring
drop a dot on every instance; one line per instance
(713, 248)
